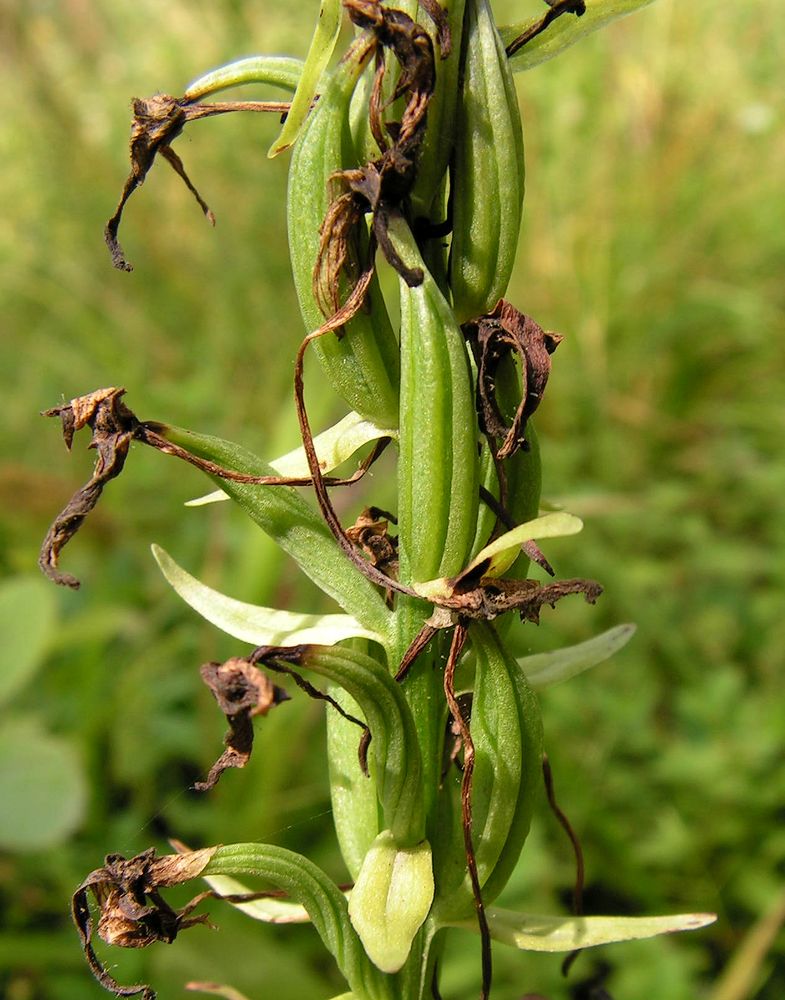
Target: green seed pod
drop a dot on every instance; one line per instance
(488, 173)
(394, 754)
(437, 146)
(506, 730)
(362, 364)
(437, 472)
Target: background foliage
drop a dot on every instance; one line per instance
(654, 239)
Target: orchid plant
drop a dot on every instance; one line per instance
(406, 158)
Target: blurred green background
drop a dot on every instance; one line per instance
(654, 240)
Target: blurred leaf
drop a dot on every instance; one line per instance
(28, 611)
(254, 624)
(216, 989)
(42, 787)
(544, 669)
(537, 933)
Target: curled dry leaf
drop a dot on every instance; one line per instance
(114, 427)
(370, 532)
(132, 913)
(157, 122)
(242, 692)
(492, 339)
(381, 187)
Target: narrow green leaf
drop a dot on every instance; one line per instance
(268, 911)
(509, 544)
(544, 669)
(502, 552)
(537, 933)
(333, 447)
(323, 42)
(565, 31)
(285, 516)
(278, 71)
(253, 624)
(28, 613)
(391, 899)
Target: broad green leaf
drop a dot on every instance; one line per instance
(28, 612)
(537, 933)
(333, 447)
(322, 44)
(278, 71)
(500, 554)
(544, 669)
(253, 624)
(565, 31)
(391, 899)
(269, 911)
(42, 788)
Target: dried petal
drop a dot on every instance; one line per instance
(242, 692)
(114, 427)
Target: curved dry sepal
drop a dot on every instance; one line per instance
(276, 71)
(564, 32)
(308, 885)
(114, 427)
(157, 122)
(438, 490)
(495, 339)
(257, 625)
(242, 692)
(394, 753)
(391, 899)
(325, 35)
(286, 517)
(506, 730)
(534, 932)
(488, 171)
(361, 358)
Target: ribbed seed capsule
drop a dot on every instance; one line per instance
(488, 174)
(437, 477)
(506, 730)
(362, 365)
